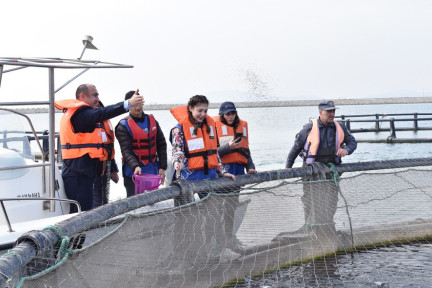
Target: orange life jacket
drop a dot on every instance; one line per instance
(201, 148)
(75, 145)
(313, 139)
(143, 144)
(226, 133)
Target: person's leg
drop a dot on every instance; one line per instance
(79, 188)
(129, 185)
(97, 191)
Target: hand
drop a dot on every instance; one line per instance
(341, 152)
(114, 177)
(178, 166)
(229, 175)
(136, 100)
(137, 170)
(162, 174)
(251, 171)
(233, 144)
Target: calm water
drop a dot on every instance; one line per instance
(272, 133)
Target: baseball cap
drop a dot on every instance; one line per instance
(327, 105)
(227, 107)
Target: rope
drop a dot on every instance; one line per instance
(64, 242)
(336, 179)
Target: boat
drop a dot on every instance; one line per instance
(33, 195)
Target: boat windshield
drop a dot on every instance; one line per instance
(16, 134)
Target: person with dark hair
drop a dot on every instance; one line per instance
(142, 145)
(84, 141)
(195, 157)
(233, 138)
(194, 142)
(106, 170)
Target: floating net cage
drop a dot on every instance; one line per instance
(236, 235)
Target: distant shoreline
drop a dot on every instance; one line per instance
(288, 103)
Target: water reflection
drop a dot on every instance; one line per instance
(390, 266)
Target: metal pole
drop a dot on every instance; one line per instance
(377, 126)
(392, 129)
(415, 121)
(1, 72)
(6, 216)
(348, 125)
(82, 53)
(51, 140)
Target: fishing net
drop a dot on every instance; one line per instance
(236, 234)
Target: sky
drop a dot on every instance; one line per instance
(238, 50)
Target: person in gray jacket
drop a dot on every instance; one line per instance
(327, 141)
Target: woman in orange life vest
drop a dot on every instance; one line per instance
(194, 142)
(233, 137)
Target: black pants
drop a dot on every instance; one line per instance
(79, 188)
(129, 185)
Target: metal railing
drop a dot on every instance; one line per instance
(392, 127)
(32, 199)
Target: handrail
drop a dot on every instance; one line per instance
(388, 120)
(370, 115)
(25, 166)
(38, 199)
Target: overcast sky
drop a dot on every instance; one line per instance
(225, 49)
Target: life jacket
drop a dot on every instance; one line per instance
(143, 144)
(201, 148)
(74, 145)
(311, 146)
(108, 128)
(226, 133)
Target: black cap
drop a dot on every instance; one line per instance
(227, 107)
(327, 105)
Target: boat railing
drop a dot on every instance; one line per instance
(32, 199)
(39, 146)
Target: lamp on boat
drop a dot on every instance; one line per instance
(87, 41)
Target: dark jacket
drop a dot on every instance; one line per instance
(125, 140)
(327, 134)
(84, 121)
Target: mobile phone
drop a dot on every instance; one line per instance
(238, 136)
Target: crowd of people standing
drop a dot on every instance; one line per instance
(203, 147)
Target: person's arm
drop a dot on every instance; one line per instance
(349, 140)
(177, 142)
(161, 147)
(125, 142)
(298, 145)
(220, 170)
(250, 166)
(85, 118)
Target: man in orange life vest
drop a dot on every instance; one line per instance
(142, 144)
(82, 137)
(327, 141)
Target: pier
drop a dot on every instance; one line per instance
(378, 119)
(261, 104)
